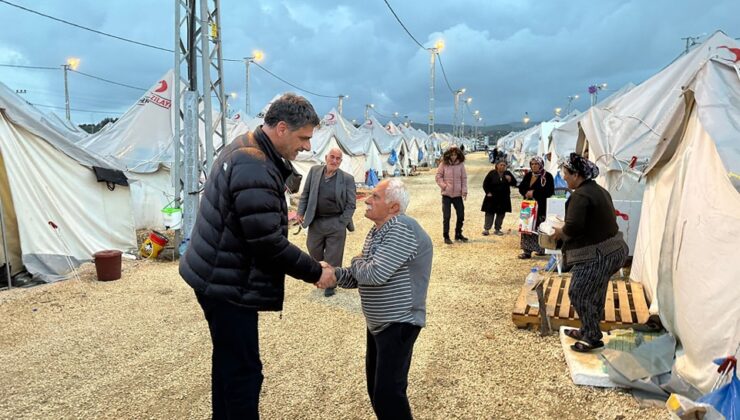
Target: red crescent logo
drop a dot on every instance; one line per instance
(237, 116)
(162, 86)
(330, 117)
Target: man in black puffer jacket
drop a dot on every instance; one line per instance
(239, 251)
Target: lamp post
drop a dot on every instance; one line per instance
(231, 95)
(438, 47)
(467, 102)
(72, 63)
(557, 111)
(571, 98)
(256, 56)
(476, 117)
(341, 102)
(593, 90)
(526, 119)
(367, 110)
(454, 118)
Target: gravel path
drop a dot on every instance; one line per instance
(139, 347)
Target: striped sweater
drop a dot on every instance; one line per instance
(392, 274)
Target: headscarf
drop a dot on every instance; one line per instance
(584, 167)
(541, 162)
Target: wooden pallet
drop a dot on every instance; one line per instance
(626, 304)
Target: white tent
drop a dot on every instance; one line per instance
(387, 143)
(142, 142)
(682, 127)
(69, 128)
(45, 177)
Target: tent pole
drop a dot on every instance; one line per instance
(5, 245)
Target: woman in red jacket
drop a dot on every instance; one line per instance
(453, 183)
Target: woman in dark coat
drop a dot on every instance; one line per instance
(592, 245)
(497, 201)
(537, 185)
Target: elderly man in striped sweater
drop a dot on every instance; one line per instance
(392, 275)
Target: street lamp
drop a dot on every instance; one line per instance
(72, 63)
(476, 119)
(231, 95)
(593, 90)
(557, 111)
(571, 98)
(438, 47)
(467, 102)
(367, 110)
(526, 119)
(454, 118)
(341, 102)
(256, 57)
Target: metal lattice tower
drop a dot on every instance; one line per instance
(197, 37)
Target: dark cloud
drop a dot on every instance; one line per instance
(512, 56)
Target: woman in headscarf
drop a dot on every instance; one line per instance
(537, 185)
(592, 245)
(453, 183)
(497, 202)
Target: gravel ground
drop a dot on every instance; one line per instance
(139, 347)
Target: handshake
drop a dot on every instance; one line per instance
(328, 278)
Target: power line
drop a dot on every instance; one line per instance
(439, 57)
(403, 26)
(120, 38)
(291, 84)
(30, 67)
(143, 44)
(74, 109)
(107, 81)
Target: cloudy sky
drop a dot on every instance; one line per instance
(512, 56)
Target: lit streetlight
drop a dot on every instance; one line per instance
(571, 98)
(557, 111)
(526, 119)
(454, 118)
(231, 95)
(367, 110)
(72, 63)
(467, 102)
(593, 90)
(438, 47)
(256, 57)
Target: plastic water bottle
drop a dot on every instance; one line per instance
(532, 278)
(183, 246)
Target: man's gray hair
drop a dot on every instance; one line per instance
(396, 192)
(295, 110)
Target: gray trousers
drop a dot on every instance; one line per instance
(588, 287)
(489, 221)
(325, 242)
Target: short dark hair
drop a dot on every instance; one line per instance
(295, 110)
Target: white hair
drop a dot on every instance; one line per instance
(396, 192)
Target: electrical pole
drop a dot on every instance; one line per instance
(194, 33)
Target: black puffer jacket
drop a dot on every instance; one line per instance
(239, 249)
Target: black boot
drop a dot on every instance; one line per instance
(461, 238)
(448, 241)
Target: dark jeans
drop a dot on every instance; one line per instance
(447, 213)
(489, 221)
(387, 363)
(236, 370)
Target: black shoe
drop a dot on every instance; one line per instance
(524, 256)
(461, 238)
(448, 241)
(329, 292)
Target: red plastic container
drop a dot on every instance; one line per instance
(108, 264)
